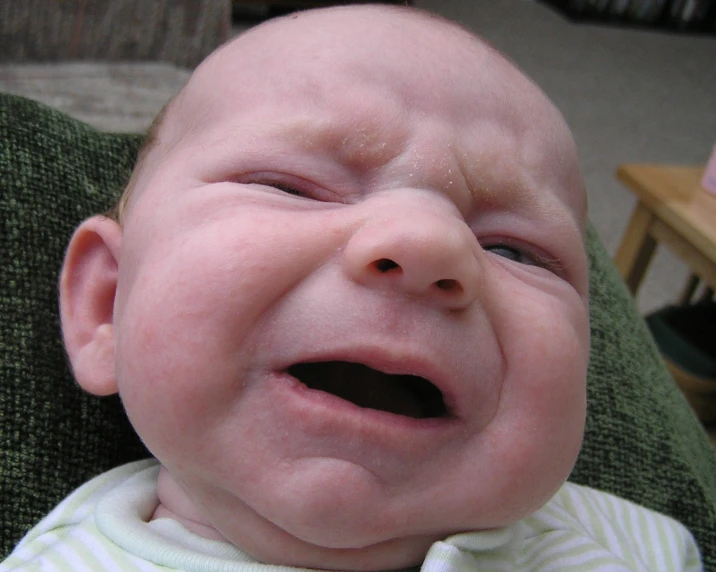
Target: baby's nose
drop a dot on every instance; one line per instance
(431, 255)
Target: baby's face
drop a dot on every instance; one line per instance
(351, 315)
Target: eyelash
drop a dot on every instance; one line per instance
(540, 260)
(286, 189)
(290, 185)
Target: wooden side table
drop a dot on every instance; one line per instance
(674, 210)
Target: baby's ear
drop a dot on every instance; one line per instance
(88, 283)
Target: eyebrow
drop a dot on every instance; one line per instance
(370, 151)
(360, 144)
(518, 186)
(523, 200)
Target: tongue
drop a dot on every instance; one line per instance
(363, 386)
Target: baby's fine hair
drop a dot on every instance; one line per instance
(116, 213)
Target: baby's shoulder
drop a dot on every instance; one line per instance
(68, 537)
(590, 525)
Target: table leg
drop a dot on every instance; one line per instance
(689, 290)
(636, 249)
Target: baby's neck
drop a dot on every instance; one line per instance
(176, 505)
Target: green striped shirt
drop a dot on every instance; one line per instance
(104, 525)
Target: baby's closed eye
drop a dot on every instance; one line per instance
(508, 252)
(523, 256)
(290, 185)
(287, 189)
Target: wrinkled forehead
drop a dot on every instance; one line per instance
(368, 58)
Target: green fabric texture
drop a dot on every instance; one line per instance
(54, 172)
(642, 441)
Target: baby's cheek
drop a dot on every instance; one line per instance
(172, 370)
(553, 367)
(546, 348)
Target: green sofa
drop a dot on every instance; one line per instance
(642, 441)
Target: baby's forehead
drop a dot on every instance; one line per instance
(422, 59)
(276, 62)
(385, 39)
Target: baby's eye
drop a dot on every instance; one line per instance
(286, 189)
(510, 253)
(289, 184)
(526, 257)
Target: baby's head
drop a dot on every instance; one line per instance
(346, 306)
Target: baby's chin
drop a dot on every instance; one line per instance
(332, 546)
(290, 543)
(395, 554)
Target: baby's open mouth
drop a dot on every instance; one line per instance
(407, 395)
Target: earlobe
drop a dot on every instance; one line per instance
(88, 284)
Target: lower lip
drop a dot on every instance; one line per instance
(322, 407)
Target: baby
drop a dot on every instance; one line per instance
(345, 306)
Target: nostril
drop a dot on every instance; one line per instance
(385, 265)
(449, 285)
